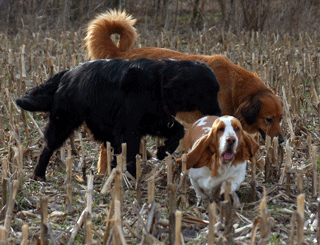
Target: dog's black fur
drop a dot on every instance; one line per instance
(121, 101)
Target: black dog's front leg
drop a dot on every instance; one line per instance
(173, 135)
(133, 145)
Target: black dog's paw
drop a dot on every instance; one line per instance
(39, 178)
(161, 154)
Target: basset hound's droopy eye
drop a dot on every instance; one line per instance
(221, 129)
(269, 120)
(236, 129)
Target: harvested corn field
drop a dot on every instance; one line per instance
(77, 205)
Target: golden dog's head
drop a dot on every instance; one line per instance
(262, 113)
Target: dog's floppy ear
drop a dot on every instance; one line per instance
(133, 80)
(249, 109)
(251, 146)
(202, 153)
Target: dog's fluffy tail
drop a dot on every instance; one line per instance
(98, 39)
(41, 97)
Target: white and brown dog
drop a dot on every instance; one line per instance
(218, 149)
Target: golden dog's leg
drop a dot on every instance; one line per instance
(102, 163)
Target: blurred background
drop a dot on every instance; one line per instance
(280, 16)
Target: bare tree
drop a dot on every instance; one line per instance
(255, 14)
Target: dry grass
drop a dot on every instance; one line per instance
(288, 64)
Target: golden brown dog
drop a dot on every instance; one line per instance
(218, 150)
(242, 93)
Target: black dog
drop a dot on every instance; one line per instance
(121, 101)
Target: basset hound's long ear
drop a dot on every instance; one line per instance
(202, 153)
(251, 146)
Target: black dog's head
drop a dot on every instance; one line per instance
(190, 86)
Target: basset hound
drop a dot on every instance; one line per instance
(218, 149)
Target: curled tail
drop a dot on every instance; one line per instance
(98, 39)
(41, 97)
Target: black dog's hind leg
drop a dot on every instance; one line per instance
(58, 130)
(40, 170)
(173, 135)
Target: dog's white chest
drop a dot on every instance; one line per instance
(205, 185)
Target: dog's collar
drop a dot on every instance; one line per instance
(166, 108)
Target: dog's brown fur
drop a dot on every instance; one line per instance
(242, 93)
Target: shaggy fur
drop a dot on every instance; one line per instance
(121, 101)
(242, 93)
